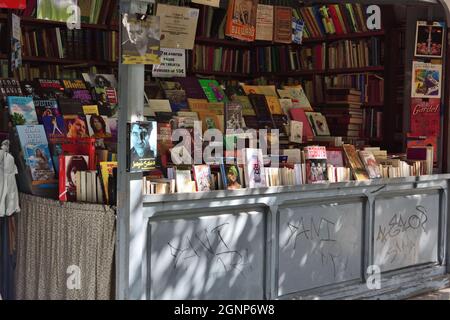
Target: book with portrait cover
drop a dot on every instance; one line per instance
(34, 144)
(241, 19)
(429, 39)
(69, 165)
(103, 88)
(46, 108)
(316, 164)
(76, 126)
(202, 177)
(425, 117)
(98, 126)
(140, 40)
(254, 168)
(142, 146)
(230, 176)
(22, 110)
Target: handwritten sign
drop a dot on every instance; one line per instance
(173, 64)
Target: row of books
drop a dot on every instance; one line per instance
(62, 43)
(212, 58)
(30, 71)
(316, 21)
(91, 11)
(355, 53)
(313, 164)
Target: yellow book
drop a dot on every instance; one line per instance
(90, 109)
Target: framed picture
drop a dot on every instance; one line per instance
(142, 146)
(429, 39)
(426, 80)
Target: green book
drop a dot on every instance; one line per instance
(213, 91)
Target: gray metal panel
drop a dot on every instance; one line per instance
(208, 257)
(406, 230)
(319, 244)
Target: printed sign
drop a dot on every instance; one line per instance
(173, 64)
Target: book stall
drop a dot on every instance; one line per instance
(236, 149)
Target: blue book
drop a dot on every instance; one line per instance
(36, 152)
(22, 110)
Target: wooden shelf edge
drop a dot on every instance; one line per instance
(68, 61)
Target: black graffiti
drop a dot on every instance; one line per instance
(310, 232)
(211, 245)
(399, 224)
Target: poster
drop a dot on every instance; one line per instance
(178, 26)
(173, 64)
(426, 80)
(429, 39)
(140, 40)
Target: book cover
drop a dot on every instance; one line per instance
(192, 87)
(142, 146)
(425, 117)
(318, 123)
(298, 114)
(234, 119)
(230, 176)
(358, 169)
(77, 89)
(297, 30)
(36, 152)
(297, 95)
(426, 80)
(429, 39)
(370, 163)
(209, 120)
(264, 22)
(183, 181)
(316, 164)
(54, 126)
(178, 26)
(241, 19)
(140, 40)
(255, 176)
(46, 108)
(76, 126)
(103, 88)
(296, 131)
(90, 109)
(49, 89)
(98, 126)
(69, 165)
(106, 171)
(424, 141)
(274, 105)
(22, 110)
(262, 111)
(282, 27)
(9, 87)
(213, 91)
(202, 176)
(69, 106)
(335, 157)
(177, 99)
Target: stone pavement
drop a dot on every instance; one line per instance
(443, 294)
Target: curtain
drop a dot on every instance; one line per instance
(64, 250)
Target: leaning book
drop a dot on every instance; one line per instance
(34, 144)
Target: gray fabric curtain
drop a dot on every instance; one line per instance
(64, 250)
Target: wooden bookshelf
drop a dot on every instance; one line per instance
(222, 74)
(68, 62)
(372, 105)
(30, 21)
(223, 42)
(321, 72)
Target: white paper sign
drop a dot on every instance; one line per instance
(173, 64)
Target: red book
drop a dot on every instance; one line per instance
(298, 114)
(425, 117)
(334, 17)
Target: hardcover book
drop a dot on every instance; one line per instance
(22, 110)
(255, 176)
(46, 108)
(241, 19)
(298, 114)
(36, 153)
(274, 105)
(213, 91)
(282, 28)
(202, 176)
(352, 158)
(98, 126)
(69, 165)
(370, 163)
(316, 164)
(264, 22)
(297, 95)
(318, 123)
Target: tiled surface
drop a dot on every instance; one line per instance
(443, 294)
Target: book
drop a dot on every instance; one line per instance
(230, 176)
(98, 126)
(76, 126)
(36, 153)
(294, 155)
(9, 87)
(254, 168)
(318, 123)
(55, 10)
(296, 131)
(77, 89)
(49, 88)
(352, 158)
(202, 176)
(177, 99)
(106, 170)
(233, 116)
(335, 157)
(297, 95)
(46, 108)
(213, 91)
(316, 164)
(425, 117)
(297, 30)
(274, 105)
(298, 114)
(241, 19)
(264, 22)
(68, 167)
(69, 106)
(282, 27)
(426, 80)
(22, 110)
(370, 163)
(140, 40)
(54, 126)
(184, 181)
(429, 39)
(90, 109)
(142, 146)
(178, 26)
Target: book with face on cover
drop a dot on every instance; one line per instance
(202, 176)
(316, 164)
(230, 176)
(370, 163)
(254, 168)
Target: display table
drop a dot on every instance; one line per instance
(309, 241)
(64, 250)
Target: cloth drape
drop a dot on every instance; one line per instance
(64, 250)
